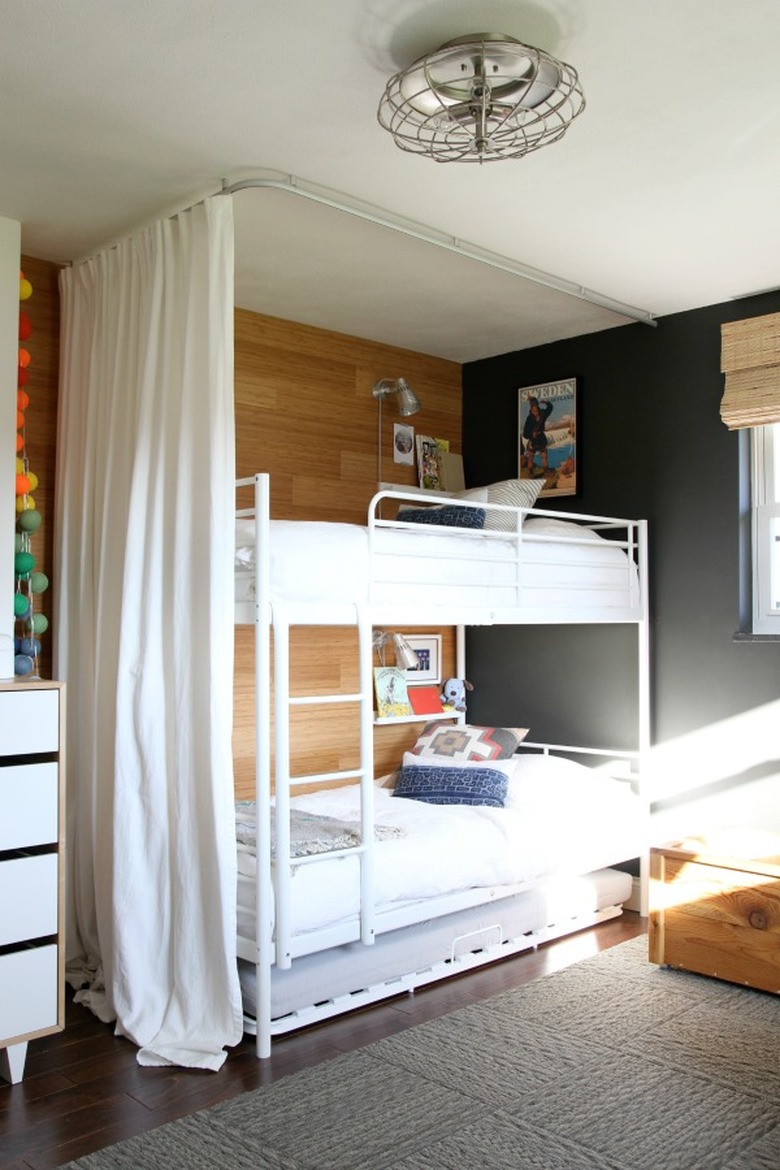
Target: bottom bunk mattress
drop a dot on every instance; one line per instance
(555, 819)
(402, 959)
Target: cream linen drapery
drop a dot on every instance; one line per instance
(144, 633)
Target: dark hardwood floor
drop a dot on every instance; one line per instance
(83, 1088)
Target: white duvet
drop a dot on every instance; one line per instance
(448, 848)
(327, 562)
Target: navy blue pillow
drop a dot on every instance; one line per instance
(450, 515)
(452, 785)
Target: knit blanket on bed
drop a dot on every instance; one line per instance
(309, 833)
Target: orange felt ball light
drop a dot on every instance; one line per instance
(19, 442)
(22, 400)
(19, 420)
(25, 288)
(23, 377)
(24, 358)
(22, 485)
(25, 327)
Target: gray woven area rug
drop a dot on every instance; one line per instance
(611, 1064)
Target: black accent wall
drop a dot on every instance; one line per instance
(651, 444)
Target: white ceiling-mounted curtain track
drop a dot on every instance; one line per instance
(419, 231)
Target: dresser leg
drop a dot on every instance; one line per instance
(12, 1061)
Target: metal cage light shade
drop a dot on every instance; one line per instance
(481, 98)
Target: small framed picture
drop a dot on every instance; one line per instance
(403, 444)
(427, 647)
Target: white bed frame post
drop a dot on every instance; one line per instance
(644, 699)
(264, 895)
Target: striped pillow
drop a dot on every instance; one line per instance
(520, 493)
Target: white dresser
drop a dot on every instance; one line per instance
(32, 878)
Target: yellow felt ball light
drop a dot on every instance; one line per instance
(25, 503)
(33, 478)
(25, 288)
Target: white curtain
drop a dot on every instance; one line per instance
(144, 633)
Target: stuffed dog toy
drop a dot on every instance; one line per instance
(454, 693)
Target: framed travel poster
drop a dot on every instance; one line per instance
(548, 418)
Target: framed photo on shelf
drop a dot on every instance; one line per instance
(427, 647)
(548, 432)
(392, 696)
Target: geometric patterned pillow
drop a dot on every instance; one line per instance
(483, 786)
(461, 741)
(448, 515)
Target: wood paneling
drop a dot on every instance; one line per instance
(43, 309)
(306, 415)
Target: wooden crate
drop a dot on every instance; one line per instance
(717, 912)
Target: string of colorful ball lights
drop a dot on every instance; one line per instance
(30, 582)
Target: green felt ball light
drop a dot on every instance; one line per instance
(21, 605)
(18, 542)
(39, 582)
(24, 563)
(40, 623)
(29, 521)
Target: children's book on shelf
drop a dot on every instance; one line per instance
(392, 695)
(429, 456)
(425, 700)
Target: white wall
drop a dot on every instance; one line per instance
(10, 252)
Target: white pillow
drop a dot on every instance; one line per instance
(545, 780)
(477, 495)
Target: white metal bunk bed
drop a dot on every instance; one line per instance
(549, 568)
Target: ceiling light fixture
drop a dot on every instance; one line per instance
(481, 98)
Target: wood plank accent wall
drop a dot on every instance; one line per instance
(43, 309)
(306, 415)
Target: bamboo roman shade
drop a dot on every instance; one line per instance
(750, 359)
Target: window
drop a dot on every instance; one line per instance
(765, 510)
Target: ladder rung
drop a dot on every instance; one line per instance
(300, 700)
(320, 777)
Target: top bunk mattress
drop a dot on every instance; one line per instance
(553, 564)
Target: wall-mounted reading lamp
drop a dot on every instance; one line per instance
(408, 403)
(405, 657)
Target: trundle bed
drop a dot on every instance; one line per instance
(484, 842)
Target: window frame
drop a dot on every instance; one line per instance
(765, 527)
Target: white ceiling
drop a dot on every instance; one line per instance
(662, 196)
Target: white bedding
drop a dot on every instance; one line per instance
(332, 563)
(446, 848)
